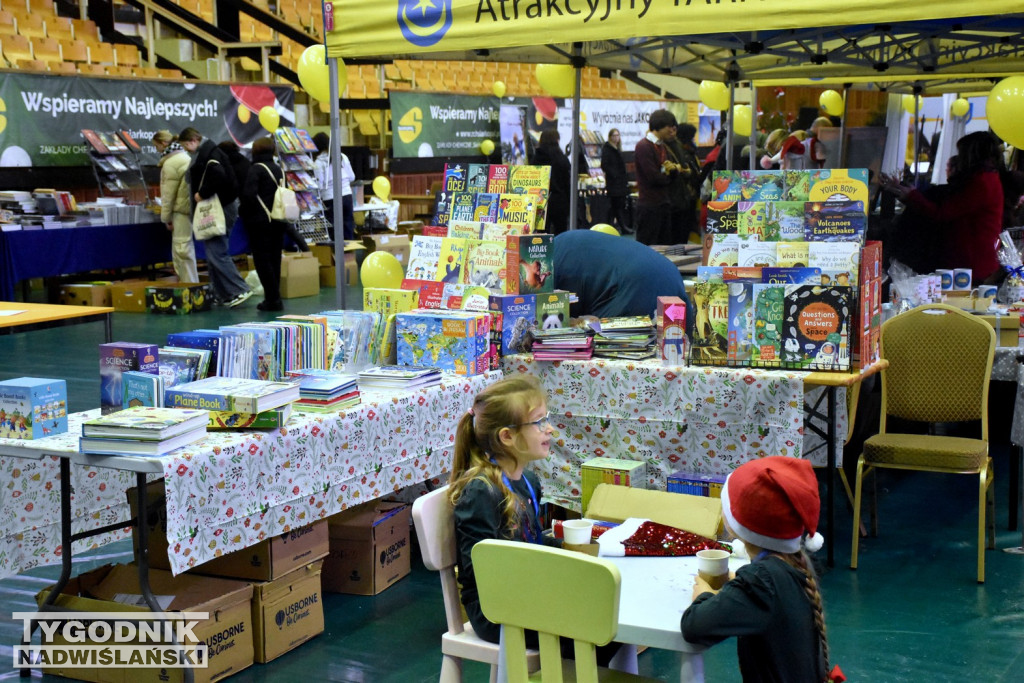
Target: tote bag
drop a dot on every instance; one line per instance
(286, 205)
(208, 220)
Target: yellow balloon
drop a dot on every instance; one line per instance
(244, 114)
(831, 102)
(382, 187)
(714, 95)
(315, 75)
(557, 80)
(487, 146)
(960, 107)
(741, 119)
(269, 118)
(605, 228)
(381, 270)
(498, 88)
(909, 104)
(1005, 110)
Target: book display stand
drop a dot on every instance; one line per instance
(115, 165)
(295, 149)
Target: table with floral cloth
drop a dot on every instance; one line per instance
(1005, 368)
(698, 419)
(234, 489)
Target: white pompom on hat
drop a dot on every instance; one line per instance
(773, 503)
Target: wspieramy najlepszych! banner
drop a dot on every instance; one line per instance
(440, 125)
(41, 117)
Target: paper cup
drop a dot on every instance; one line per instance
(577, 531)
(713, 567)
(947, 279)
(962, 280)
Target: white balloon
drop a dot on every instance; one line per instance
(425, 150)
(15, 156)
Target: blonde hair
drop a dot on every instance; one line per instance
(164, 136)
(821, 122)
(773, 143)
(479, 451)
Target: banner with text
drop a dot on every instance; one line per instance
(368, 28)
(441, 125)
(41, 117)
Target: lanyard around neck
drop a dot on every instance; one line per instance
(532, 535)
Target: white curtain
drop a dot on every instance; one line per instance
(952, 130)
(898, 123)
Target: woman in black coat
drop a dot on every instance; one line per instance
(549, 153)
(266, 236)
(616, 182)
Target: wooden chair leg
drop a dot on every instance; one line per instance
(858, 486)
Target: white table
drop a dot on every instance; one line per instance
(655, 591)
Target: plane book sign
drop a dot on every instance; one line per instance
(41, 116)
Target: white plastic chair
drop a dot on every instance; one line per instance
(435, 530)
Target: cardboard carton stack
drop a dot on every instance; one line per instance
(369, 548)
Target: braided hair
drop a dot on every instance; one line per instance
(802, 562)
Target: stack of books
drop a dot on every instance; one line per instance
(230, 421)
(232, 394)
(143, 430)
(324, 391)
(563, 343)
(389, 377)
(628, 338)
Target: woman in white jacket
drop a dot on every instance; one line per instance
(176, 204)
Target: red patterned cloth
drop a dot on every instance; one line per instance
(660, 540)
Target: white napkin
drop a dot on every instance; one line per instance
(610, 542)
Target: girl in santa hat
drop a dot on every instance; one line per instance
(772, 605)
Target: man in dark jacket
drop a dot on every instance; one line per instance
(211, 174)
(654, 174)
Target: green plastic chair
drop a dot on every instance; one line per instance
(556, 593)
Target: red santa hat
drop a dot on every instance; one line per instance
(773, 503)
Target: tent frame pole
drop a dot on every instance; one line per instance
(574, 177)
(340, 281)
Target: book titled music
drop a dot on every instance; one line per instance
(232, 394)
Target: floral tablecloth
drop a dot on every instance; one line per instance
(234, 489)
(697, 419)
(1005, 368)
(30, 499)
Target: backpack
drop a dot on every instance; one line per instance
(286, 206)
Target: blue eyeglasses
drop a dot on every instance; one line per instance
(541, 424)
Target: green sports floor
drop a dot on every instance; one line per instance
(912, 612)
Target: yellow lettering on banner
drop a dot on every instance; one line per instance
(371, 28)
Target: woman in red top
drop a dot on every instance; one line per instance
(971, 213)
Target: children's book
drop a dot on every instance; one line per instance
(771, 221)
(141, 389)
(838, 184)
(424, 255)
(741, 321)
(268, 419)
(753, 253)
(477, 230)
(529, 264)
(117, 358)
(208, 340)
(178, 367)
(725, 250)
(839, 261)
(723, 217)
(792, 254)
(153, 449)
(146, 423)
(464, 297)
(766, 339)
(761, 186)
(485, 264)
(796, 186)
(462, 206)
(233, 394)
(497, 178)
(455, 179)
(524, 179)
(834, 221)
(816, 331)
(710, 322)
(518, 210)
(451, 261)
(442, 208)
(94, 140)
(791, 276)
(477, 178)
(485, 207)
(726, 186)
(710, 273)
(33, 407)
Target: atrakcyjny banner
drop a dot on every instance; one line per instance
(42, 117)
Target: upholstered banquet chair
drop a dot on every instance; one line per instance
(435, 531)
(940, 360)
(557, 593)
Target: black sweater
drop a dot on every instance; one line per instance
(259, 185)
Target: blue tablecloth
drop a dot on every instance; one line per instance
(27, 254)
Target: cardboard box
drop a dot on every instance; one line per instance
(130, 296)
(89, 294)
(287, 612)
(1006, 327)
(228, 632)
(369, 548)
(618, 472)
(397, 245)
(180, 298)
(324, 253)
(696, 514)
(268, 560)
(351, 269)
(328, 275)
(300, 275)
